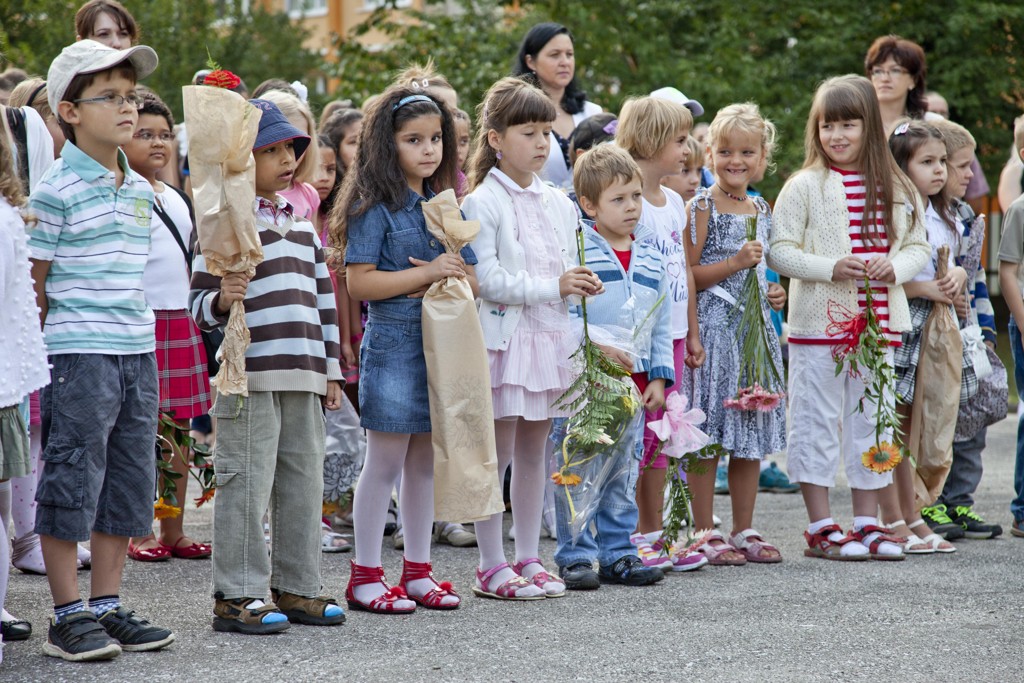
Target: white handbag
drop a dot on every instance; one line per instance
(974, 344)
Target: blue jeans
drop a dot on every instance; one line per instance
(614, 520)
(1017, 504)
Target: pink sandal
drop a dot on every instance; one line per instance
(541, 579)
(716, 553)
(506, 591)
(751, 545)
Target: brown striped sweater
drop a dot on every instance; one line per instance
(289, 307)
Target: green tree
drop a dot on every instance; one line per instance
(254, 43)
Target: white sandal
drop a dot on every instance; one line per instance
(933, 540)
(912, 540)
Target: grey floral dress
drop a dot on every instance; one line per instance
(751, 435)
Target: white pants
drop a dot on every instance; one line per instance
(825, 424)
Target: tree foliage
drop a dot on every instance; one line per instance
(719, 53)
(254, 43)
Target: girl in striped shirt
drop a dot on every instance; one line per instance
(848, 216)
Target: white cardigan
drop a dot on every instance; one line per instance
(505, 285)
(811, 232)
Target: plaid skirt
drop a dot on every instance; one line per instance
(907, 356)
(181, 364)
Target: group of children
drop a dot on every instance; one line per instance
(863, 218)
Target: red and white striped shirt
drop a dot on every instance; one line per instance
(866, 242)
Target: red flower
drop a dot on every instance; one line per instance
(207, 495)
(222, 78)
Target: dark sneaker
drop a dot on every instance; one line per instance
(1017, 528)
(580, 577)
(774, 480)
(630, 571)
(135, 634)
(972, 523)
(80, 638)
(940, 523)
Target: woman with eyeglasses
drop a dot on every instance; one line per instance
(897, 69)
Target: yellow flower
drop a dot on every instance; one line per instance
(882, 458)
(162, 510)
(568, 479)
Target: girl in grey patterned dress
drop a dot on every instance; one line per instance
(722, 256)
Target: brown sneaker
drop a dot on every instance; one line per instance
(318, 611)
(234, 616)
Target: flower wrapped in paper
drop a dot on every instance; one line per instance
(466, 486)
(222, 128)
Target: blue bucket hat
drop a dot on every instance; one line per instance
(275, 128)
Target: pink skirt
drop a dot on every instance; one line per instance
(181, 365)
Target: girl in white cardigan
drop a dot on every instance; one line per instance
(849, 214)
(525, 247)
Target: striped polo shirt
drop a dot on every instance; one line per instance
(96, 236)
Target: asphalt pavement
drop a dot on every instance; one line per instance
(934, 618)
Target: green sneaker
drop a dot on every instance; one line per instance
(940, 523)
(972, 523)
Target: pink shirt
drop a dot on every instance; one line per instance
(304, 199)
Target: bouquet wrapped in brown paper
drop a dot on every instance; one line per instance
(466, 487)
(933, 414)
(222, 128)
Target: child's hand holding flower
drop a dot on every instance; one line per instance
(654, 395)
(579, 281)
(776, 296)
(749, 255)
(880, 270)
(848, 268)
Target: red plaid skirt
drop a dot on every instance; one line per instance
(181, 363)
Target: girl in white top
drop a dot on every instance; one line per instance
(525, 247)
(21, 345)
(920, 152)
(849, 214)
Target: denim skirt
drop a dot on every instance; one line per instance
(393, 376)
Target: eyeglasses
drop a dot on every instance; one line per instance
(149, 136)
(889, 73)
(113, 100)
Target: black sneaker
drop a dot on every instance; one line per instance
(629, 570)
(80, 638)
(135, 634)
(939, 522)
(580, 577)
(972, 523)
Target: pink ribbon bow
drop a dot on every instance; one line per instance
(678, 427)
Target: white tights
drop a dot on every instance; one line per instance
(520, 443)
(387, 456)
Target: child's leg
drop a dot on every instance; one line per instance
(28, 556)
(569, 552)
(385, 457)
(702, 486)
(488, 531)
(5, 566)
(617, 513)
(527, 489)
(744, 477)
(965, 473)
(816, 502)
(297, 495)
(245, 456)
(1017, 348)
(650, 497)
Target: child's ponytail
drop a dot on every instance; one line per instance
(509, 102)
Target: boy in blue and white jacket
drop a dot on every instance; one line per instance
(631, 269)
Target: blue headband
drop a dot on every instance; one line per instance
(409, 100)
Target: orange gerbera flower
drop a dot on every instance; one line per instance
(566, 479)
(207, 495)
(162, 510)
(882, 458)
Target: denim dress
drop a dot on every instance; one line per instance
(393, 372)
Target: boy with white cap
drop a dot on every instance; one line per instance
(88, 251)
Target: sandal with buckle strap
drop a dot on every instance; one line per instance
(316, 611)
(716, 553)
(553, 587)
(190, 551)
(433, 598)
(820, 545)
(874, 546)
(935, 542)
(506, 591)
(236, 616)
(157, 554)
(752, 545)
(382, 604)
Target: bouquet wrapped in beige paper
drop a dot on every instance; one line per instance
(222, 128)
(466, 486)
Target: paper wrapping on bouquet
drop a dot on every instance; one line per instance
(466, 486)
(222, 128)
(936, 398)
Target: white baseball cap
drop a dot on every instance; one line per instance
(89, 57)
(674, 95)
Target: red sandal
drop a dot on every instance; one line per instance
(193, 551)
(158, 554)
(382, 604)
(820, 545)
(434, 598)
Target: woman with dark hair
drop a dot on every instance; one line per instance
(547, 53)
(108, 22)
(897, 69)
